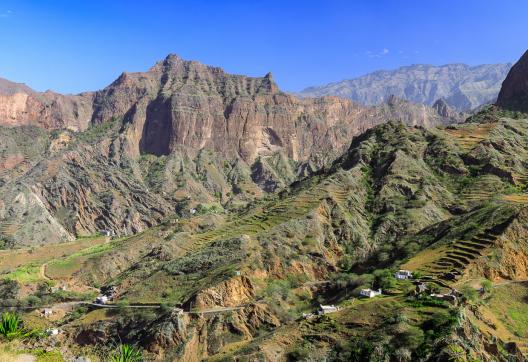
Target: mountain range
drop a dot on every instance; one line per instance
(224, 220)
(463, 87)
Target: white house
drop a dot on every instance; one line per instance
(403, 274)
(326, 309)
(53, 331)
(102, 299)
(193, 211)
(47, 312)
(369, 293)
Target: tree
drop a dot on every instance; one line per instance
(469, 293)
(487, 286)
(9, 289)
(384, 279)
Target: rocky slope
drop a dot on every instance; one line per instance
(20, 105)
(125, 157)
(227, 270)
(397, 192)
(463, 87)
(514, 92)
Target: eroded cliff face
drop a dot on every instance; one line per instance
(182, 103)
(186, 103)
(21, 106)
(138, 148)
(514, 91)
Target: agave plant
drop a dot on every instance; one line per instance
(11, 325)
(126, 353)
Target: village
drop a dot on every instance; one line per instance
(421, 289)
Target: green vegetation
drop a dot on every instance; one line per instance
(97, 131)
(48, 356)
(126, 353)
(25, 274)
(11, 327)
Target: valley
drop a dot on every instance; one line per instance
(202, 216)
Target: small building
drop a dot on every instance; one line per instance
(403, 274)
(326, 309)
(59, 288)
(47, 312)
(450, 298)
(369, 293)
(102, 299)
(193, 211)
(108, 233)
(52, 332)
(238, 273)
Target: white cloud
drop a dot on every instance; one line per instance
(377, 54)
(6, 14)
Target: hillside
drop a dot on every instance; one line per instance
(178, 137)
(463, 87)
(220, 256)
(247, 276)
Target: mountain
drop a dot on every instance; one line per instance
(462, 87)
(514, 92)
(9, 88)
(223, 255)
(86, 162)
(20, 105)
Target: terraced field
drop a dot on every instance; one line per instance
(468, 137)
(266, 218)
(448, 266)
(486, 187)
(516, 198)
(11, 259)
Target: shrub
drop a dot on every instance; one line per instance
(126, 353)
(9, 289)
(384, 279)
(487, 286)
(469, 293)
(11, 326)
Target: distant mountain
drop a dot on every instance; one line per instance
(463, 87)
(9, 88)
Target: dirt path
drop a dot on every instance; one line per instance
(510, 282)
(42, 271)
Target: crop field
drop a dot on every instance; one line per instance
(65, 267)
(12, 259)
(468, 137)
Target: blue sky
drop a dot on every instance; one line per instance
(71, 46)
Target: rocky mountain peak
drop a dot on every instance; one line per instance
(442, 108)
(514, 91)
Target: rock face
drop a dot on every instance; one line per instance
(463, 87)
(399, 110)
(179, 136)
(20, 105)
(514, 91)
(183, 103)
(186, 103)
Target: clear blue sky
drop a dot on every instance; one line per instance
(71, 46)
